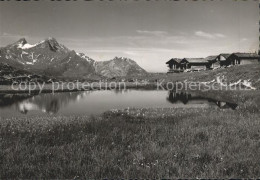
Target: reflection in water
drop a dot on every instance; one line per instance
(96, 102)
(187, 98)
(10, 99)
(175, 97)
(120, 91)
(49, 103)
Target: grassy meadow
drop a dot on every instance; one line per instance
(141, 143)
(135, 143)
(232, 74)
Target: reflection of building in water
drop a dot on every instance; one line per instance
(187, 98)
(121, 91)
(182, 97)
(49, 103)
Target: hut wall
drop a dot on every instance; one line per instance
(215, 65)
(170, 65)
(225, 63)
(249, 61)
(198, 67)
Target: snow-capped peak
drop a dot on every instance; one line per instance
(26, 46)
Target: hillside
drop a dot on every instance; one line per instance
(9, 74)
(251, 73)
(47, 57)
(119, 67)
(52, 59)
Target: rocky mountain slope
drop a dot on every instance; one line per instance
(47, 57)
(9, 74)
(53, 59)
(119, 66)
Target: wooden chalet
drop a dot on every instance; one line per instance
(213, 62)
(196, 64)
(243, 58)
(192, 64)
(222, 59)
(175, 65)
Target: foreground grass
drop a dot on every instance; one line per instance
(133, 143)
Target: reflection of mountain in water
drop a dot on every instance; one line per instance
(10, 99)
(187, 98)
(49, 103)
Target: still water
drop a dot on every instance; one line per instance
(96, 102)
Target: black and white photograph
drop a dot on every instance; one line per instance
(129, 89)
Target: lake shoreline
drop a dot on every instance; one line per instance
(6, 89)
(85, 102)
(49, 89)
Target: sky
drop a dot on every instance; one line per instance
(149, 32)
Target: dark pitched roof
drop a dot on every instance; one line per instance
(210, 58)
(174, 59)
(169, 61)
(246, 55)
(195, 60)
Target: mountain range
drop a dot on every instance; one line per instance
(118, 67)
(52, 59)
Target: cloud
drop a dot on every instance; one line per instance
(209, 35)
(219, 35)
(9, 35)
(154, 33)
(134, 41)
(243, 39)
(203, 34)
